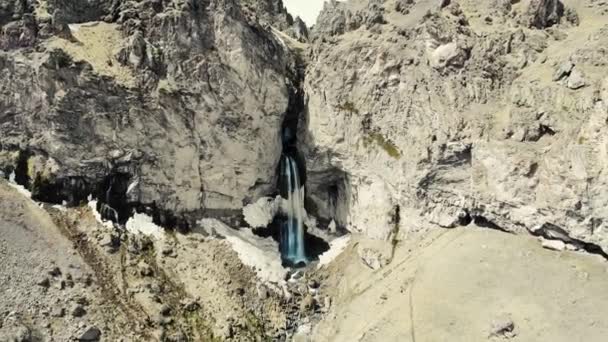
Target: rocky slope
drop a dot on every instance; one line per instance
(443, 112)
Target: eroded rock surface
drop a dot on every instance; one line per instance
(181, 100)
(459, 113)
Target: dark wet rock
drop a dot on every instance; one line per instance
(90, 335)
(78, 311)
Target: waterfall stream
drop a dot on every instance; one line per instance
(292, 234)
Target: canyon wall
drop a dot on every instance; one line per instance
(438, 113)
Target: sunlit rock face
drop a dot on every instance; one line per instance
(438, 114)
(185, 99)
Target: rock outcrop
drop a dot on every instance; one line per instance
(439, 115)
(181, 102)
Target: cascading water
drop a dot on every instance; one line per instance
(292, 233)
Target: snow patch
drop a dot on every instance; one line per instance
(261, 213)
(336, 247)
(142, 223)
(261, 254)
(20, 188)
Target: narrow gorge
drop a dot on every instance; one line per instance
(220, 170)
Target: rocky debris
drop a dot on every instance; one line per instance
(165, 310)
(448, 55)
(169, 251)
(372, 258)
(563, 71)
(78, 310)
(58, 311)
(403, 6)
(110, 241)
(145, 270)
(545, 13)
(55, 272)
(191, 305)
(45, 282)
(576, 80)
(503, 327)
(90, 335)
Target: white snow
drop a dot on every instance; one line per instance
(142, 223)
(261, 254)
(336, 247)
(20, 188)
(261, 213)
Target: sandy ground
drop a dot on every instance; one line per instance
(460, 285)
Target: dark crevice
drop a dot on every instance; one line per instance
(550, 231)
(21, 174)
(484, 222)
(466, 218)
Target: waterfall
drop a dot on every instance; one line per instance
(292, 234)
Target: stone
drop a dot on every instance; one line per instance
(44, 282)
(502, 326)
(145, 270)
(563, 71)
(262, 291)
(313, 284)
(168, 251)
(307, 304)
(78, 310)
(55, 272)
(21, 334)
(110, 241)
(447, 55)
(544, 13)
(90, 335)
(576, 80)
(191, 305)
(58, 311)
(165, 310)
(555, 245)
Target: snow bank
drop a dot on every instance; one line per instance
(336, 247)
(261, 213)
(143, 224)
(258, 253)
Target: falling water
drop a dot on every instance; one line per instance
(292, 235)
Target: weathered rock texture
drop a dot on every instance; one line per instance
(448, 114)
(181, 102)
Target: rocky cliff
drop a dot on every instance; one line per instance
(447, 112)
(180, 102)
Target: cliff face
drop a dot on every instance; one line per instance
(181, 100)
(426, 113)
